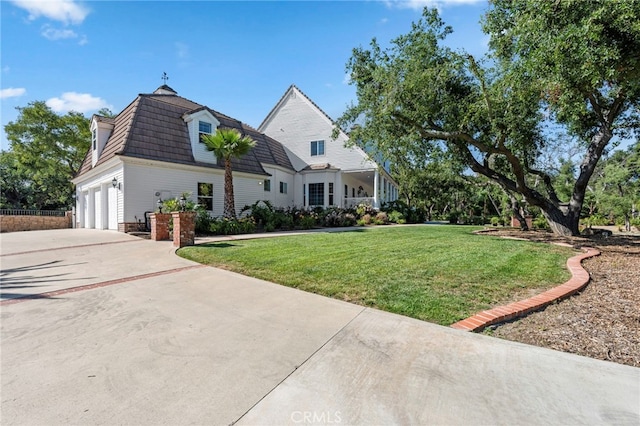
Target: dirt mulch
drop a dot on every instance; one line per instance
(603, 321)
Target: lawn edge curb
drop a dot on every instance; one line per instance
(579, 279)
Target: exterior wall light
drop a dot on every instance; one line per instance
(182, 202)
(115, 183)
(159, 203)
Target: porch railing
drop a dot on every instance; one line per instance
(355, 201)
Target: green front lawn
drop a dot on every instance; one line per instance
(440, 274)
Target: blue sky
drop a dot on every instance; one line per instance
(235, 57)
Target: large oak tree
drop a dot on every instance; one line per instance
(47, 150)
(565, 63)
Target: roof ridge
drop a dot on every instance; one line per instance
(163, 95)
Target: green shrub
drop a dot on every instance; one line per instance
(409, 214)
(495, 221)
(224, 226)
(540, 222)
(307, 221)
(396, 217)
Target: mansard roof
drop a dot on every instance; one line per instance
(152, 127)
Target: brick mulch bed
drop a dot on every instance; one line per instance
(603, 321)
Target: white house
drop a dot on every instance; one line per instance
(152, 151)
(327, 172)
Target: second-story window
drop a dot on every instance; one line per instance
(204, 128)
(317, 148)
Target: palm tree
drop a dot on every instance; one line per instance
(227, 144)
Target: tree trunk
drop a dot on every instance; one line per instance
(565, 224)
(229, 203)
(515, 207)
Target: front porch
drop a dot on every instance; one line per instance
(367, 187)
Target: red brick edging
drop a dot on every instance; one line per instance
(54, 293)
(579, 280)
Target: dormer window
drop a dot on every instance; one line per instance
(204, 128)
(94, 139)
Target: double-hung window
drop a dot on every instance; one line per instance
(267, 185)
(204, 128)
(317, 148)
(205, 195)
(283, 187)
(94, 138)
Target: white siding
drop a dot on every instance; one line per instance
(274, 196)
(147, 180)
(297, 122)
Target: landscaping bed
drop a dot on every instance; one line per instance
(603, 321)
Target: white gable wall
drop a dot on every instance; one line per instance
(296, 122)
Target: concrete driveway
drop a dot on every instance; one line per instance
(100, 327)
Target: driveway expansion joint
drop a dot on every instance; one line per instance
(579, 279)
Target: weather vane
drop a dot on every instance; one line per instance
(165, 77)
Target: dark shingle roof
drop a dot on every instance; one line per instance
(152, 127)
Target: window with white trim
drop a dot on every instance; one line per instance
(267, 185)
(94, 138)
(317, 148)
(204, 128)
(205, 195)
(283, 187)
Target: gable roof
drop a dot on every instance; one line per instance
(152, 127)
(278, 105)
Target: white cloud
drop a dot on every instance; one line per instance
(420, 4)
(12, 92)
(57, 34)
(182, 50)
(79, 102)
(65, 11)
(384, 21)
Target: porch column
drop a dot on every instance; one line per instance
(376, 189)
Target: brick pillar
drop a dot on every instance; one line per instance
(184, 228)
(160, 226)
(515, 223)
